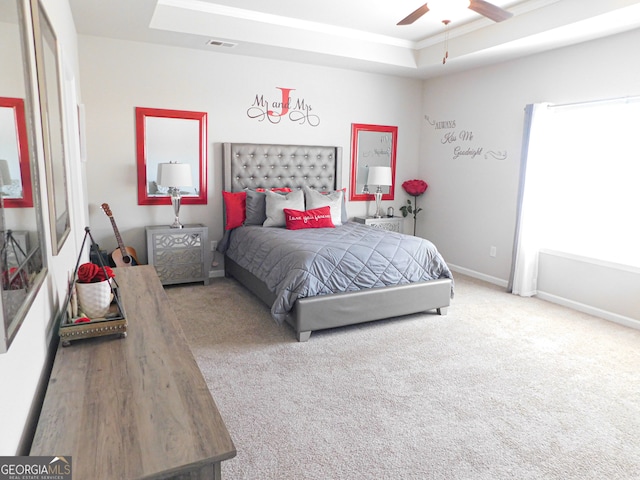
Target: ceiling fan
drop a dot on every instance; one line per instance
(493, 12)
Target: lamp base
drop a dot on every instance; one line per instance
(175, 201)
(378, 196)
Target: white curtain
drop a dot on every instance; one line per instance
(529, 226)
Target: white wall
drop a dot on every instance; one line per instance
(117, 76)
(22, 366)
(471, 203)
(606, 290)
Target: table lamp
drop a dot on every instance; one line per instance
(175, 175)
(380, 176)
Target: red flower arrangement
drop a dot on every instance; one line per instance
(415, 188)
(13, 279)
(92, 273)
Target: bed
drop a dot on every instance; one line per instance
(316, 296)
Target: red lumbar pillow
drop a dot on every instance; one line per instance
(234, 209)
(315, 218)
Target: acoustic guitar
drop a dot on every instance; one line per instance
(122, 256)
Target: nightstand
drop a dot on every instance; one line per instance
(393, 224)
(180, 255)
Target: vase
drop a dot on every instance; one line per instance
(94, 299)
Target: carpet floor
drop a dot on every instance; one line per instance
(503, 387)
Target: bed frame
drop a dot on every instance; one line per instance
(249, 165)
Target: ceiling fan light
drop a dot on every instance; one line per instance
(449, 9)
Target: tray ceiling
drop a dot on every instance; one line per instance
(357, 34)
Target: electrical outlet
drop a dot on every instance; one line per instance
(214, 245)
(493, 252)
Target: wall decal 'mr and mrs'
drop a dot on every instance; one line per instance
(287, 107)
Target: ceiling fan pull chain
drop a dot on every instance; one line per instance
(446, 40)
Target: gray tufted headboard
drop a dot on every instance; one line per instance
(257, 165)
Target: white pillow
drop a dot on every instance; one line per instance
(276, 203)
(334, 200)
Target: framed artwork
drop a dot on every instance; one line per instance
(49, 86)
(21, 220)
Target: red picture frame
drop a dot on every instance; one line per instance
(373, 145)
(144, 197)
(26, 201)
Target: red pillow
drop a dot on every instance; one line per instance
(235, 204)
(315, 218)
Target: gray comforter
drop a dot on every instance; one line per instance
(302, 263)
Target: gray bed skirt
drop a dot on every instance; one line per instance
(349, 308)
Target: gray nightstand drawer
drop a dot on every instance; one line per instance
(180, 255)
(393, 224)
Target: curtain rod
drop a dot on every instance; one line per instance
(635, 98)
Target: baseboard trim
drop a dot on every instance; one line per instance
(581, 307)
(596, 312)
(478, 275)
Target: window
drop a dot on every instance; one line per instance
(587, 180)
(581, 186)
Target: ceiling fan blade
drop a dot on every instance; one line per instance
(412, 17)
(489, 10)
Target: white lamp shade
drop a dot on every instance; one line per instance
(379, 176)
(174, 175)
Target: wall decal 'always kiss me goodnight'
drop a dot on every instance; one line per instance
(462, 141)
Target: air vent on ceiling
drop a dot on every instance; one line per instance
(220, 43)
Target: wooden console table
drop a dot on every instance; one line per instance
(136, 407)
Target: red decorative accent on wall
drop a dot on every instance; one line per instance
(358, 156)
(143, 197)
(296, 110)
(23, 153)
